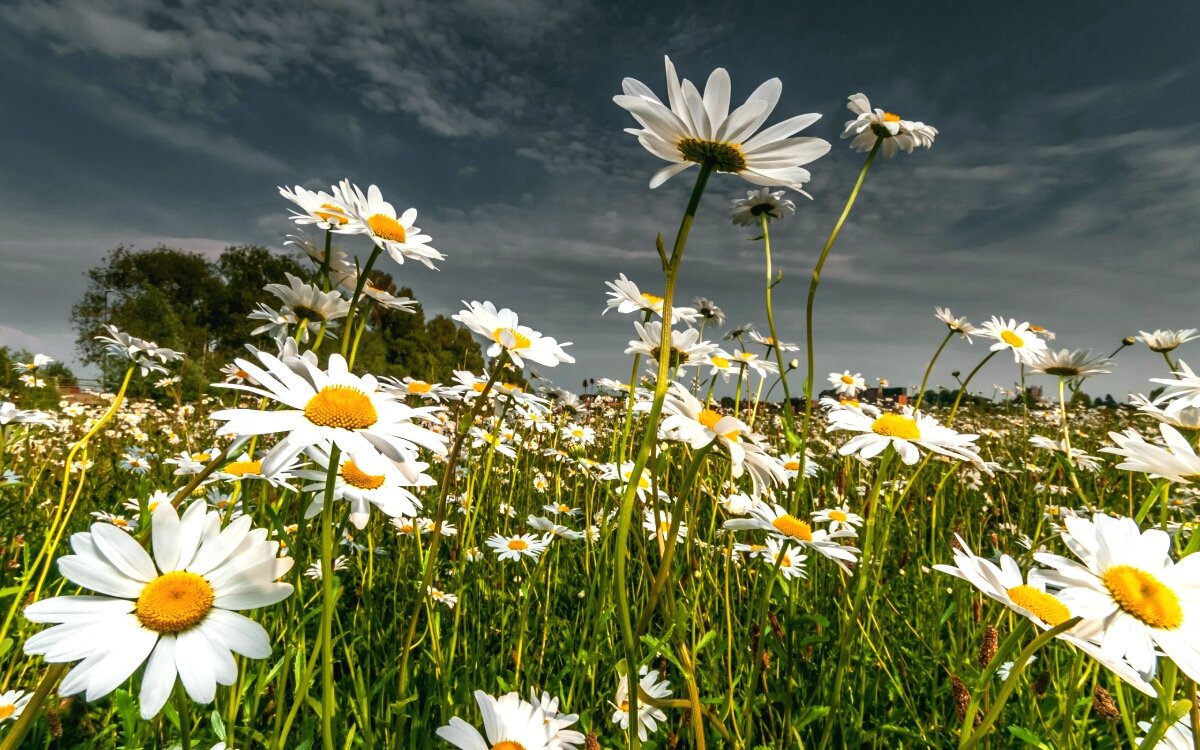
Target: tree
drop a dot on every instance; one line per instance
(199, 306)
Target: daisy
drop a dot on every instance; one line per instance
(1181, 391)
(365, 479)
(1023, 342)
(1132, 596)
(1027, 596)
(512, 547)
(147, 355)
(1177, 462)
(709, 310)
(846, 384)
(1178, 736)
(552, 529)
(560, 737)
(791, 563)
(277, 324)
(326, 406)
(749, 211)
(12, 703)
(775, 520)
(244, 467)
(625, 297)
(871, 125)
(1165, 341)
(315, 572)
(510, 724)
(1070, 364)
(903, 432)
(1178, 413)
(318, 208)
(450, 600)
(648, 716)
(39, 361)
(838, 518)
(697, 129)
(172, 611)
(770, 342)
(686, 346)
(721, 364)
(961, 325)
(10, 414)
(308, 303)
(371, 215)
(521, 342)
(422, 389)
(749, 359)
(557, 508)
(659, 525)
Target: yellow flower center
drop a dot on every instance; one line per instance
(896, 426)
(418, 386)
(791, 526)
(890, 117)
(174, 602)
(849, 402)
(242, 468)
(202, 457)
(839, 516)
(1012, 339)
(847, 380)
(120, 523)
(563, 507)
(709, 419)
(331, 215)
(653, 299)
(720, 362)
(792, 465)
(1045, 607)
(508, 745)
(356, 477)
(1145, 597)
(341, 406)
(387, 228)
(519, 340)
(725, 157)
(1037, 328)
(406, 528)
(518, 544)
(7, 711)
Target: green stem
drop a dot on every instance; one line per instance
(789, 420)
(929, 369)
(812, 294)
(183, 707)
(625, 621)
(962, 389)
(327, 602)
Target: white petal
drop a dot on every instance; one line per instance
(158, 678)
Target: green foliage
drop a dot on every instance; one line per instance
(185, 301)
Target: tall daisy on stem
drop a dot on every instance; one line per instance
(871, 129)
(699, 129)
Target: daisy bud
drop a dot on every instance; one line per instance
(1103, 703)
(1129, 340)
(987, 647)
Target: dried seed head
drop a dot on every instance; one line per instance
(977, 610)
(962, 699)
(1041, 685)
(765, 657)
(987, 647)
(591, 742)
(775, 626)
(1104, 705)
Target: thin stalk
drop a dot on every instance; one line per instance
(789, 419)
(929, 369)
(812, 294)
(962, 389)
(327, 603)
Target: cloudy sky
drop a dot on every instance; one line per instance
(1063, 188)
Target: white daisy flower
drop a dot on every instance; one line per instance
(318, 208)
(327, 406)
(521, 342)
(1181, 391)
(12, 704)
(838, 518)
(561, 738)
(308, 303)
(1132, 595)
(1178, 736)
(775, 520)
(365, 479)
(1021, 339)
(1166, 341)
(697, 129)
(513, 547)
(441, 597)
(10, 414)
(1176, 462)
(625, 297)
(771, 343)
(373, 216)
(871, 125)
(510, 723)
(172, 611)
(846, 384)
(749, 211)
(1070, 364)
(959, 325)
(648, 716)
(686, 346)
(904, 432)
(147, 355)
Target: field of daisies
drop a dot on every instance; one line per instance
(729, 550)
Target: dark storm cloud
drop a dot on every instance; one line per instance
(1062, 188)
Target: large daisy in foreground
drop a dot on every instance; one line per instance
(1135, 599)
(694, 129)
(327, 406)
(172, 611)
(510, 722)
